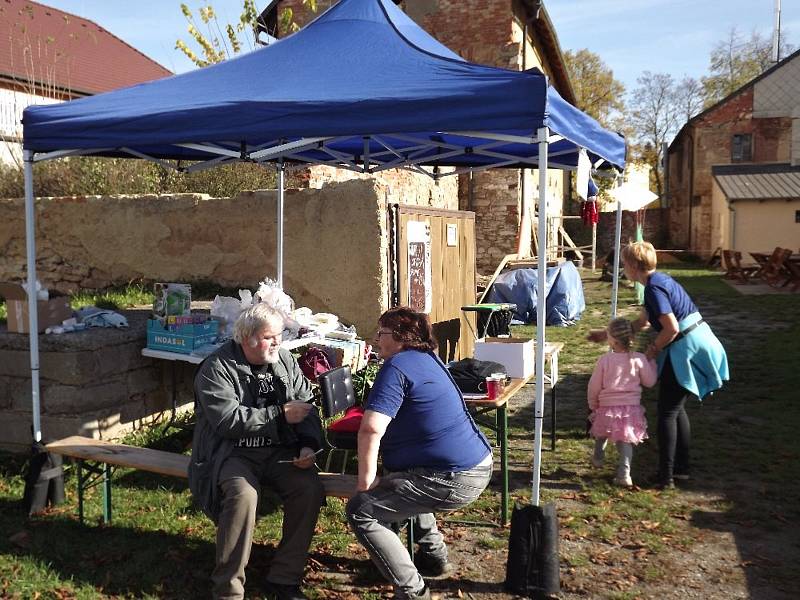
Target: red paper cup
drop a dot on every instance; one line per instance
(493, 388)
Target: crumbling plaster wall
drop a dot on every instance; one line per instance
(334, 254)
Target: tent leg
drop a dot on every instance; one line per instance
(33, 317)
(617, 241)
(279, 251)
(542, 135)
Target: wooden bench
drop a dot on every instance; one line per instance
(96, 458)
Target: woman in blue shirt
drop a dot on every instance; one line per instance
(691, 360)
(434, 456)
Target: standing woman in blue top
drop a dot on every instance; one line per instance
(434, 456)
(691, 360)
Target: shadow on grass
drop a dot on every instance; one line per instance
(113, 560)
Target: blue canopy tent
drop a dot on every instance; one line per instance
(362, 87)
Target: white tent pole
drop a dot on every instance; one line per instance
(543, 134)
(617, 241)
(33, 315)
(279, 252)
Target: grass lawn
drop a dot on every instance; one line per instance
(732, 532)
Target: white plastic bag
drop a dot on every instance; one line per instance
(269, 292)
(226, 310)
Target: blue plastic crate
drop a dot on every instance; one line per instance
(183, 338)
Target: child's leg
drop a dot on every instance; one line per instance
(625, 451)
(599, 451)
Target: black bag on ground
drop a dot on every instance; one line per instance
(470, 374)
(44, 480)
(532, 567)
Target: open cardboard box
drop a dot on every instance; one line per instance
(51, 312)
(517, 355)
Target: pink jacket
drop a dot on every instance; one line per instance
(618, 379)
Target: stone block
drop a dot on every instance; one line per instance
(14, 362)
(143, 381)
(71, 368)
(65, 399)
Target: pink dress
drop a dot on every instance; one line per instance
(615, 393)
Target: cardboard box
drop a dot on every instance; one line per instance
(517, 355)
(182, 338)
(51, 312)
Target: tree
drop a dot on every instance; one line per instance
(218, 43)
(688, 99)
(654, 114)
(215, 45)
(598, 93)
(735, 61)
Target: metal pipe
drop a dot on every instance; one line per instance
(617, 241)
(33, 315)
(542, 134)
(279, 251)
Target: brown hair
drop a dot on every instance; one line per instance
(640, 254)
(621, 330)
(412, 329)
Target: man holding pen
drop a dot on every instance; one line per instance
(256, 426)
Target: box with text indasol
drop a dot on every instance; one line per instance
(183, 338)
(50, 312)
(517, 355)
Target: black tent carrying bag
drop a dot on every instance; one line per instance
(470, 374)
(44, 480)
(532, 567)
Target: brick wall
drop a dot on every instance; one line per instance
(707, 142)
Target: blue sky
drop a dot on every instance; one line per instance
(631, 36)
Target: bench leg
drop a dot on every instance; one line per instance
(106, 494)
(88, 475)
(81, 487)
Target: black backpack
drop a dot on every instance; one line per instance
(470, 374)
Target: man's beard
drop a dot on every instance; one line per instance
(272, 357)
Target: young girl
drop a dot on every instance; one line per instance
(615, 391)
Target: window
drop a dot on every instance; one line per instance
(742, 147)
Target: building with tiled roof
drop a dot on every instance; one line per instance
(48, 55)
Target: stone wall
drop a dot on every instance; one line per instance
(94, 383)
(334, 253)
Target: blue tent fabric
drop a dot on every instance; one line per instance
(363, 68)
(564, 303)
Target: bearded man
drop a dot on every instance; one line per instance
(256, 427)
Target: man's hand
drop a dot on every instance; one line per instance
(305, 458)
(294, 412)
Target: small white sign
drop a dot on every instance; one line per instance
(452, 234)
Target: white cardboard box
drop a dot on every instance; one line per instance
(517, 355)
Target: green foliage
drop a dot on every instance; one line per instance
(219, 42)
(86, 176)
(598, 94)
(135, 294)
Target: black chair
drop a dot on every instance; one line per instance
(338, 395)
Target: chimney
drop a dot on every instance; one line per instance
(776, 35)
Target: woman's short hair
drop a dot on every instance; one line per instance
(622, 330)
(412, 329)
(254, 319)
(640, 254)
